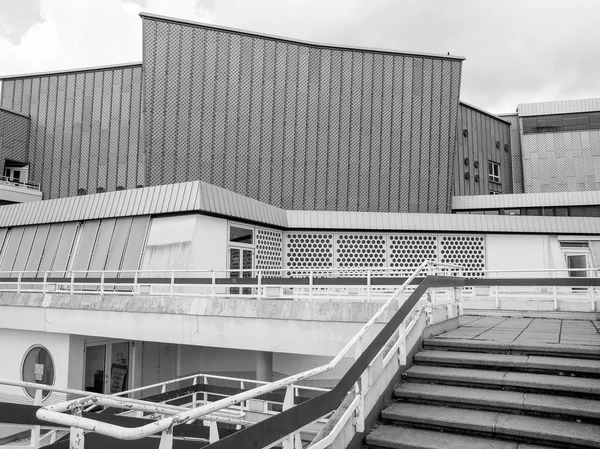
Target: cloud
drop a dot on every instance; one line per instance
(517, 51)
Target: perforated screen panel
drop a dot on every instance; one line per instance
(304, 250)
(467, 251)
(268, 251)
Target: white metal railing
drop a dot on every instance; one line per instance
(305, 284)
(5, 180)
(235, 415)
(55, 413)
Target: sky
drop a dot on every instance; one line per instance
(518, 51)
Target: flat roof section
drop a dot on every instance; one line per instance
(548, 199)
(201, 197)
(150, 16)
(67, 71)
(559, 107)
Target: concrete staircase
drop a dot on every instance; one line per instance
(468, 394)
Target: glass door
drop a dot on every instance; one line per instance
(107, 367)
(240, 259)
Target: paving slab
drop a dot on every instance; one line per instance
(472, 358)
(448, 417)
(561, 405)
(459, 375)
(580, 385)
(448, 394)
(548, 430)
(397, 437)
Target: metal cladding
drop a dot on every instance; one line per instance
(87, 128)
(14, 135)
(515, 149)
(298, 125)
(481, 137)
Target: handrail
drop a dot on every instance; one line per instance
(54, 413)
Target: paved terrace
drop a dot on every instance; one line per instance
(489, 332)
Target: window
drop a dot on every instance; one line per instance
(240, 235)
(493, 192)
(38, 368)
(494, 171)
(512, 211)
(561, 122)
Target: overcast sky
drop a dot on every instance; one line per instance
(518, 51)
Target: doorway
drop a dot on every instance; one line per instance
(107, 367)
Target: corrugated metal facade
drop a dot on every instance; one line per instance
(515, 149)
(481, 137)
(550, 199)
(559, 107)
(183, 197)
(87, 129)
(297, 125)
(14, 137)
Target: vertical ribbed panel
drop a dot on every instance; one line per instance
(480, 146)
(37, 249)
(11, 248)
(87, 131)
(132, 255)
(14, 133)
(100, 254)
(516, 154)
(65, 246)
(118, 243)
(87, 243)
(296, 125)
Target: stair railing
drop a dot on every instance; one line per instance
(310, 410)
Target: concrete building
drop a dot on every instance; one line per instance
(237, 204)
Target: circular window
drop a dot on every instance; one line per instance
(38, 368)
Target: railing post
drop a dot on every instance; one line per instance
(135, 283)
(459, 300)
(166, 439)
(72, 282)
(102, 284)
(310, 285)
(259, 281)
(592, 299)
(368, 285)
(76, 436)
(19, 276)
(194, 394)
(172, 284)
(554, 292)
(45, 284)
(402, 345)
(35, 430)
(288, 402)
(212, 285)
(205, 395)
(214, 432)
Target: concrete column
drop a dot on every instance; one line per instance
(264, 366)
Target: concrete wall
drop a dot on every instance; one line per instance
(184, 242)
(66, 352)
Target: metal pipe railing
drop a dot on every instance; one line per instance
(54, 413)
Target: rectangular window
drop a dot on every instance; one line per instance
(512, 211)
(561, 122)
(493, 192)
(494, 171)
(240, 235)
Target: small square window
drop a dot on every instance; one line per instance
(494, 171)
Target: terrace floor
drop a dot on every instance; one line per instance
(520, 331)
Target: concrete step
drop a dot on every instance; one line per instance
(518, 428)
(499, 347)
(510, 362)
(499, 400)
(397, 437)
(565, 385)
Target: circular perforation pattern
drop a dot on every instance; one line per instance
(269, 252)
(411, 250)
(310, 250)
(467, 251)
(355, 250)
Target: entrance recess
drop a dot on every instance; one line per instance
(107, 367)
